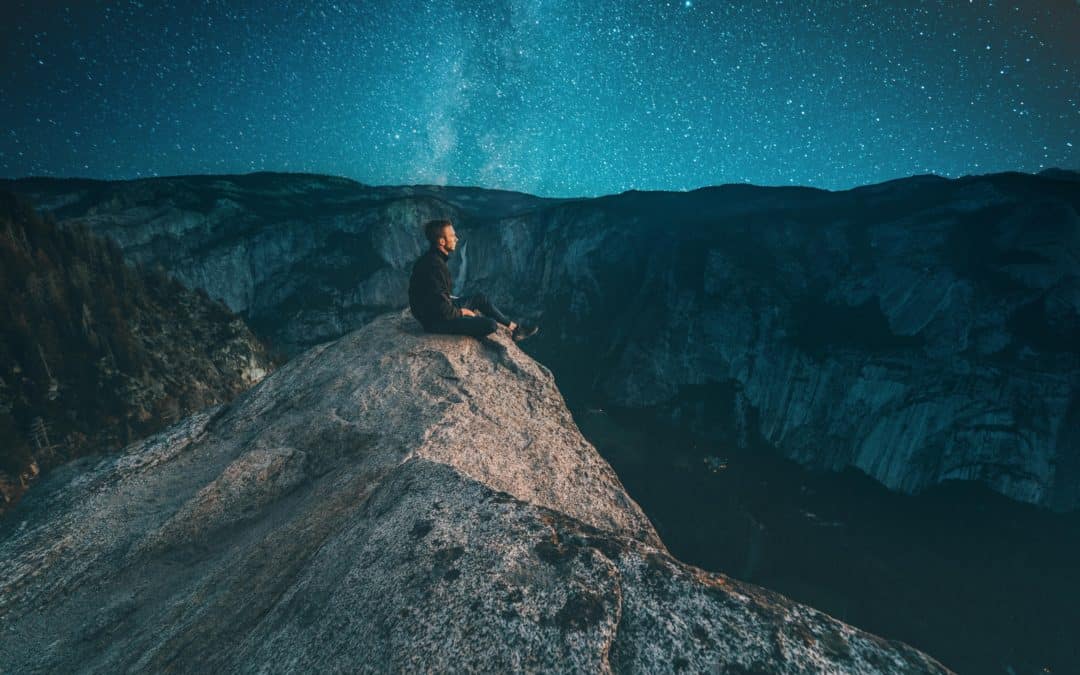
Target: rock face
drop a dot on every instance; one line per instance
(303, 258)
(921, 330)
(387, 501)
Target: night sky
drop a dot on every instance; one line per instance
(555, 98)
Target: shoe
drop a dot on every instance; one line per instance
(524, 332)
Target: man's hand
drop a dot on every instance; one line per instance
(468, 312)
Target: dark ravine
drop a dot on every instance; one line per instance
(389, 501)
(921, 330)
(984, 583)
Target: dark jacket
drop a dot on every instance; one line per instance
(429, 289)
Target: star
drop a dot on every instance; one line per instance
(578, 98)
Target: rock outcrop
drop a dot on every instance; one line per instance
(922, 330)
(389, 501)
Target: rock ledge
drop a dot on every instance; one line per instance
(389, 501)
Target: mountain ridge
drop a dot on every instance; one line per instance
(919, 330)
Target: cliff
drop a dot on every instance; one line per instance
(921, 330)
(386, 501)
(304, 258)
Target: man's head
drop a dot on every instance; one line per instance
(441, 235)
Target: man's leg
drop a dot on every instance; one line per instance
(480, 303)
(476, 326)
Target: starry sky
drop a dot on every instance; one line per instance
(551, 97)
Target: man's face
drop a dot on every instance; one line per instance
(449, 238)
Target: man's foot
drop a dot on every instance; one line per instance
(520, 333)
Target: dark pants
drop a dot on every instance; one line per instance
(476, 326)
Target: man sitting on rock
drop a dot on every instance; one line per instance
(440, 312)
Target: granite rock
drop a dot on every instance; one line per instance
(389, 501)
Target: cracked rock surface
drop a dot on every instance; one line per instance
(389, 501)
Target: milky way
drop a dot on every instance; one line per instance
(556, 98)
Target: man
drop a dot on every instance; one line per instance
(440, 312)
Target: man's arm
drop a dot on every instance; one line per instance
(444, 307)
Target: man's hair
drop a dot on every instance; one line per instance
(433, 229)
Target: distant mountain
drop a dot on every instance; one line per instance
(1061, 174)
(921, 330)
(94, 353)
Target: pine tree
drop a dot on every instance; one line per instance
(39, 432)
